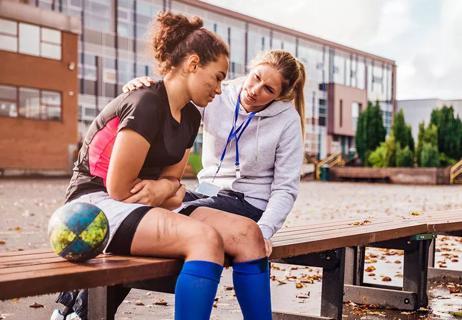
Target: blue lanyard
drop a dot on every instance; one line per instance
(236, 134)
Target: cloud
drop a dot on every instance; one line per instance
(424, 37)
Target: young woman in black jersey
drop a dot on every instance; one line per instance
(135, 152)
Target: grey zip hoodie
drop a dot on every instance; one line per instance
(270, 154)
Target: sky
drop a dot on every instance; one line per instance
(424, 37)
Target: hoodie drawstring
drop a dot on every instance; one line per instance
(258, 127)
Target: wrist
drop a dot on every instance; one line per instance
(175, 182)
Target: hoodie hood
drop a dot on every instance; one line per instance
(234, 87)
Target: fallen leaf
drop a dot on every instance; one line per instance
(139, 303)
(36, 305)
(2, 242)
(298, 285)
(360, 223)
(370, 269)
(161, 302)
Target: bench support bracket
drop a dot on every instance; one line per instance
(413, 294)
(333, 264)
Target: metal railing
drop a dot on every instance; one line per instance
(455, 175)
(334, 159)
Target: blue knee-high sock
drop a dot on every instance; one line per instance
(195, 289)
(252, 286)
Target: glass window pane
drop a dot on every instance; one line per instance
(51, 51)
(8, 93)
(8, 43)
(8, 109)
(54, 113)
(29, 39)
(8, 27)
(51, 98)
(51, 101)
(29, 103)
(50, 35)
(45, 4)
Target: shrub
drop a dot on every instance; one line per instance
(429, 156)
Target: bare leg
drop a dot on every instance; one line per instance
(167, 234)
(241, 236)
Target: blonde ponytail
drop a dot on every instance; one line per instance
(293, 74)
(299, 97)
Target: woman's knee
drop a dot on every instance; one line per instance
(246, 237)
(205, 238)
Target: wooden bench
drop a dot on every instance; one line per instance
(335, 245)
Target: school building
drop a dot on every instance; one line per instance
(113, 48)
(38, 89)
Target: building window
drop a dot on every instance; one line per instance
(50, 43)
(8, 35)
(8, 98)
(322, 112)
(355, 110)
(30, 39)
(30, 103)
(51, 105)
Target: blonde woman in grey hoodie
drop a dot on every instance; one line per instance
(251, 155)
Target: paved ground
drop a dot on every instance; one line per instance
(26, 205)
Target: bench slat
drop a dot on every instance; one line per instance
(305, 245)
(338, 229)
(32, 258)
(96, 272)
(23, 253)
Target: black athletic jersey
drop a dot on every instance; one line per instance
(147, 112)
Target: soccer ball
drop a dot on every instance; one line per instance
(78, 231)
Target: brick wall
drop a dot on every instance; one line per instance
(29, 144)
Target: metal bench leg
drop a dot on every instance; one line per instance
(415, 270)
(413, 294)
(333, 272)
(431, 254)
(354, 264)
(104, 301)
(97, 304)
(332, 284)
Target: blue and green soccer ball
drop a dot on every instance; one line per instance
(78, 231)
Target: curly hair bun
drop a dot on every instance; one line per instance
(175, 36)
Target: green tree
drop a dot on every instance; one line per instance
(370, 131)
(402, 131)
(385, 155)
(449, 132)
(404, 157)
(429, 156)
(420, 141)
(427, 153)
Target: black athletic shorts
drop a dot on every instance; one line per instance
(122, 240)
(225, 200)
